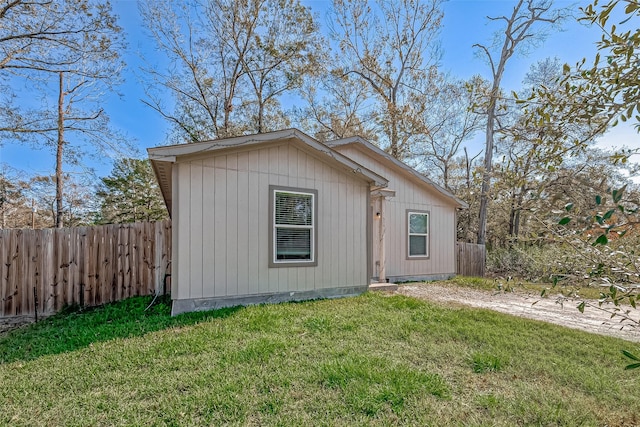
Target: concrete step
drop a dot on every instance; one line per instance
(386, 287)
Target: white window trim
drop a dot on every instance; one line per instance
(426, 235)
(273, 261)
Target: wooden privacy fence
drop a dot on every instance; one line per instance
(471, 259)
(46, 269)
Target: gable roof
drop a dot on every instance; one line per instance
(388, 159)
(163, 158)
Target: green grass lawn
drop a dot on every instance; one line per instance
(370, 360)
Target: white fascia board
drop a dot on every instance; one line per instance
(172, 152)
(378, 151)
(163, 153)
(371, 176)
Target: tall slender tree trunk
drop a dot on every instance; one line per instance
(512, 216)
(261, 118)
(445, 175)
(517, 200)
(393, 134)
(514, 219)
(468, 165)
(59, 151)
(488, 163)
(518, 29)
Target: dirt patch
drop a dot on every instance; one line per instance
(522, 304)
(10, 323)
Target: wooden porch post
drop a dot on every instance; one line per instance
(382, 275)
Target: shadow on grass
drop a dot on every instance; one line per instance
(74, 329)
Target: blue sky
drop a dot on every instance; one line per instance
(465, 23)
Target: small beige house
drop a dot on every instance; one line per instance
(280, 216)
(414, 226)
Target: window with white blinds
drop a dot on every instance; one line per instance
(293, 226)
(418, 234)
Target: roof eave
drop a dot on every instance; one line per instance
(359, 141)
(163, 170)
(162, 158)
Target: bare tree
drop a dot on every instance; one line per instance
(522, 29)
(78, 208)
(68, 50)
(449, 122)
(39, 34)
(392, 46)
(463, 183)
(336, 107)
(286, 49)
(203, 104)
(230, 62)
(13, 201)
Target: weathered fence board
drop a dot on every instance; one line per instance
(45, 270)
(471, 259)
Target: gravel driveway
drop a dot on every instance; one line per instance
(522, 304)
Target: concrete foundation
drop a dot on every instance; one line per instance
(422, 278)
(205, 304)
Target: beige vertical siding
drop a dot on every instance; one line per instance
(221, 207)
(410, 194)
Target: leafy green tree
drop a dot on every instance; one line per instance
(130, 194)
(605, 91)
(608, 240)
(532, 152)
(610, 84)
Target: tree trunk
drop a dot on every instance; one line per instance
(488, 166)
(514, 222)
(395, 152)
(468, 165)
(59, 151)
(445, 175)
(512, 217)
(393, 131)
(260, 116)
(518, 29)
